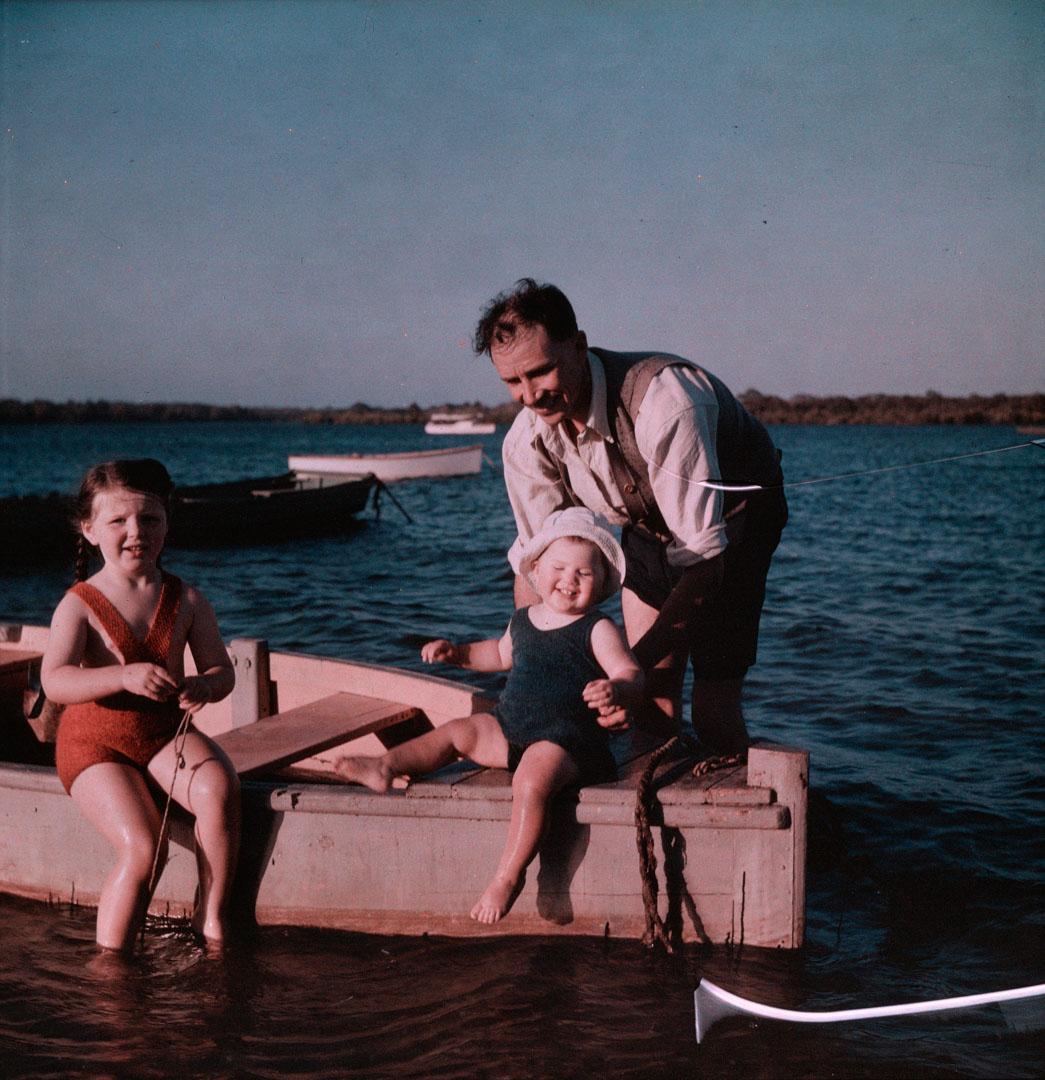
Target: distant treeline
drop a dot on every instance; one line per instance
(84, 412)
(930, 408)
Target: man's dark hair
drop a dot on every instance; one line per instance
(525, 304)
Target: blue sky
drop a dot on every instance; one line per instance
(308, 203)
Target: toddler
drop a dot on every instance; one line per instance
(570, 676)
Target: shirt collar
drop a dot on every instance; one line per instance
(596, 423)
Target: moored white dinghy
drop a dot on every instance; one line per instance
(392, 467)
(712, 1004)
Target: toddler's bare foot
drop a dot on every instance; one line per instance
(497, 900)
(370, 771)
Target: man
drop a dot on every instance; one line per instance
(634, 436)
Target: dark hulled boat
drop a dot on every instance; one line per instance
(37, 528)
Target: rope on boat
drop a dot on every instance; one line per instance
(379, 487)
(645, 795)
(715, 485)
(645, 800)
(645, 807)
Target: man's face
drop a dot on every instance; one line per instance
(549, 377)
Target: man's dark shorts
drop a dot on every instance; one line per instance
(723, 637)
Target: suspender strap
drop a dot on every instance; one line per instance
(628, 376)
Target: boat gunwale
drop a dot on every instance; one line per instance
(394, 455)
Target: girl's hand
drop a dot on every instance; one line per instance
(195, 693)
(149, 680)
(439, 651)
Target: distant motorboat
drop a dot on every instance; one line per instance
(458, 424)
(388, 468)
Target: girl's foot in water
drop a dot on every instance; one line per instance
(213, 931)
(369, 771)
(497, 900)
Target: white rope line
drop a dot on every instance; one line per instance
(712, 1003)
(715, 485)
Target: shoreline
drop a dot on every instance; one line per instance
(885, 409)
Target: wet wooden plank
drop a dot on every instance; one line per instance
(726, 786)
(275, 741)
(440, 784)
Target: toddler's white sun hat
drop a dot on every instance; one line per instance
(580, 522)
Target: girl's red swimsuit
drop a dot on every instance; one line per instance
(124, 728)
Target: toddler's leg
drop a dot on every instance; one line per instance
(116, 800)
(209, 789)
(478, 738)
(545, 768)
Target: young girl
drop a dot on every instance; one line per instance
(114, 659)
(570, 675)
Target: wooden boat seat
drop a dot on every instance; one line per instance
(675, 783)
(16, 662)
(275, 741)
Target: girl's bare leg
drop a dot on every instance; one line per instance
(208, 788)
(116, 800)
(478, 738)
(544, 769)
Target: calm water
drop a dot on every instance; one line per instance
(901, 644)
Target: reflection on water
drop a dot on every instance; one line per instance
(901, 644)
(285, 1002)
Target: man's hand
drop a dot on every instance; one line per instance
(613, 718)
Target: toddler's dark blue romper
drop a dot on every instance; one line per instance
(542, 697)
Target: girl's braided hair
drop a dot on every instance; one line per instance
(146, 475)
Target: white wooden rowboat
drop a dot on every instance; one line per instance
(317, 852)
(458, 424)
(405, 465)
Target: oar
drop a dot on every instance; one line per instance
(713, 1003)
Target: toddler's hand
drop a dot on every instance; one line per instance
(439, 651)
(601, 695)
(195, 693)
(600, 692)
(149, 680)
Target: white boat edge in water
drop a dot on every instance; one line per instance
(401, 465)
(712, 1003)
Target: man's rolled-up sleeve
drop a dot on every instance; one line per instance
(675, 432)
